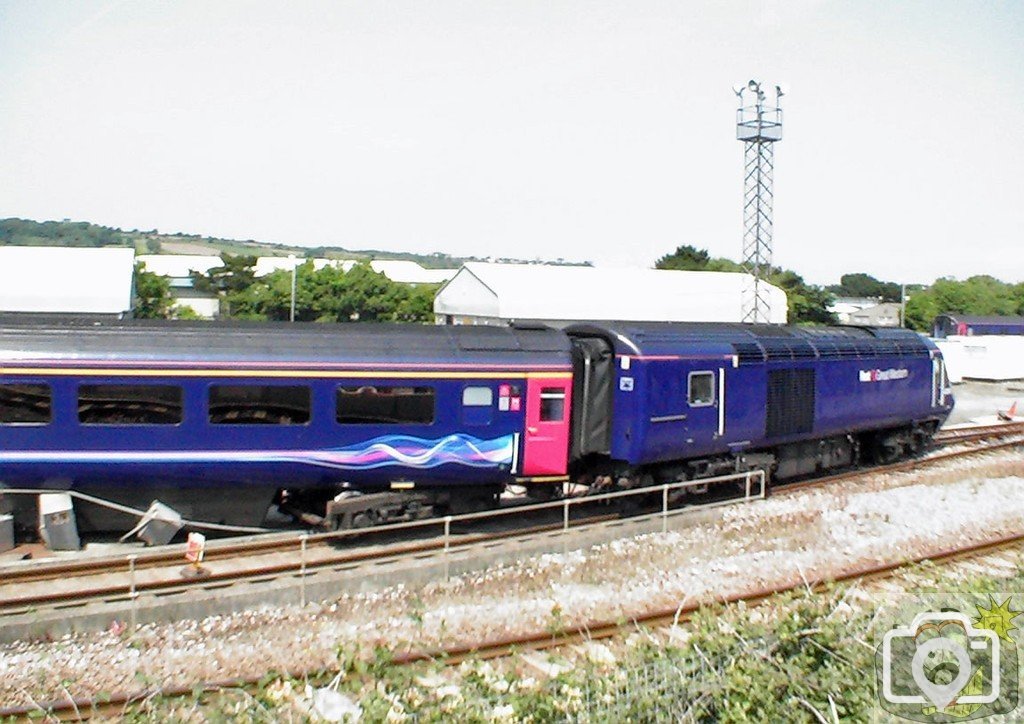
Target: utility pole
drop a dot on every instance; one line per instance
(759, 126)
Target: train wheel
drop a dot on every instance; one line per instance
(364, 519)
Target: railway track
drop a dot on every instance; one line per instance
(116, 704)
(72, 584)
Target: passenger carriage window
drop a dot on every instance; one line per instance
(477, 405)
(25, 404)
(368, 404)
(701, 389)
(477, 397)
(552, 404)
(129, 404)
(260, 404)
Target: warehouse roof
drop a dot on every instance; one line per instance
(179, 265)
(534, 291)
(66, 280)
(409, 272)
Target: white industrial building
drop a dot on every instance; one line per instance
(868, 311)
(178, 269)
(482, 293)
(269, 264)
(993, 358)
(66, 280)
(409, 272)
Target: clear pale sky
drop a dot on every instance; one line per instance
(551, 128)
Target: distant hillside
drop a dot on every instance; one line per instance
(24, 232)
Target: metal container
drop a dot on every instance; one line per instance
(159, 524)
(6, 533)
(57, 526)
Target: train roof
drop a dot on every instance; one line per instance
(753, 343)
(272, 342)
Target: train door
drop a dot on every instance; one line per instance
(546, 439)
(705, 419)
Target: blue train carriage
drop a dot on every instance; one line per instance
(660, 402)
(220, 422)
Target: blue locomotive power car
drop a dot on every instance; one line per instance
(658, 402)
(221, 421)
(356, 424)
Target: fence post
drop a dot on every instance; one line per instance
(447, 535)
(302, 569)
(132, 594)
(565, 525)
(664, 508)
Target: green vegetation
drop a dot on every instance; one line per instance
(331, 295)
(981, 295)
(321, 295)
(21, 232)
(24, 232)
(152, 294)
(153, 299)
(864, 285)
(799, 657)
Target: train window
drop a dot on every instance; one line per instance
(477, 397)
(129, 404)
(369, 404)
(260, 404)
(701, 389)
(25, 404)
(552, 404)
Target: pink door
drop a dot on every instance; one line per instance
(546, 440)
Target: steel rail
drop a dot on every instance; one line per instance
(609, 628)
(110, 592)
(74, 709)
(218, 550)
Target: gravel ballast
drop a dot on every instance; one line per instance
(813, 533)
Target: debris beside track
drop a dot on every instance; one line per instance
(813, 532)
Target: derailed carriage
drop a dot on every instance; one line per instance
(355, 424)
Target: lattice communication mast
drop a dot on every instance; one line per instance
(759, 126)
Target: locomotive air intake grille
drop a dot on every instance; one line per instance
(790, 402)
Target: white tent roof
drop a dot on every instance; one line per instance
(529, 291)
(66, 280)
(409, 272)
(267, 264)
(179, 265)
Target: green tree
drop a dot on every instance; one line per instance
(978, 295)
(230, 282)
(864, 285)
(685, 258)
(152, 294)
(331, 294)
(807, 303)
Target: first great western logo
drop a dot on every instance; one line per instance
(884, 375)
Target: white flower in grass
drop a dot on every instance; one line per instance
(503, 713)
(501, 686)
(450, 691)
